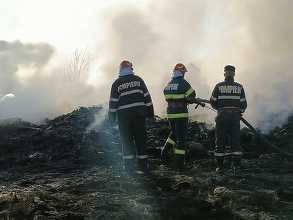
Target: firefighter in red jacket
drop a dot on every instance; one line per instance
(228, 98)
(130, 104)
(177, 93)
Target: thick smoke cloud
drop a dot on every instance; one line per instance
(14, 55)
(155, 39)
(39, 91)
(255, 36)
(268, 75)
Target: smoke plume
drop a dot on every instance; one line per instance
(155, 39)
(255, 36)
(32, 90)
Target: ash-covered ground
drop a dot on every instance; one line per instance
(67, 168)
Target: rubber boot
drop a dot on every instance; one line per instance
(236, 164)
(167, 153)
(220, 165)
(219, 156)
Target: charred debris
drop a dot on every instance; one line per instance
(70, 168)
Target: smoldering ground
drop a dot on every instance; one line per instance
(205, 35)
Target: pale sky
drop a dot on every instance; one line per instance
(76, 24)
(66, 24)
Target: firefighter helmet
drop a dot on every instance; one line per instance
(180, 67)
(125, 64)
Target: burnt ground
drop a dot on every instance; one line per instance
(61, 169)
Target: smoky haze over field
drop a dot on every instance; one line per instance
(41, 90)
(255, 36)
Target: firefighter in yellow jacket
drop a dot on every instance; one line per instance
(177, 93)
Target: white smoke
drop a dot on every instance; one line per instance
(36, 89)
(255, 36)
(155, 39)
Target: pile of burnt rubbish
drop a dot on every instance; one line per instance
(77, 138)
(70, 168)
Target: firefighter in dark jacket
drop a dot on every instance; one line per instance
(228, 98)
(130, 104)
(177, 93)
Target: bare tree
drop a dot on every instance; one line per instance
(77, 66)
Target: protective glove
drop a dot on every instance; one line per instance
(202, 104)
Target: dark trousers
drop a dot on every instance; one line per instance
(133, 137)
(176, 142)
(179, 132)
(228, 133)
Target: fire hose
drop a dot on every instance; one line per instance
(203, 102)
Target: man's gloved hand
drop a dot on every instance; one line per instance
(191, 100)
(197, 101)
(202, 104)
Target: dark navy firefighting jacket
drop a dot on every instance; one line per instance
(228, 95)
(176, 94)
(129, 95)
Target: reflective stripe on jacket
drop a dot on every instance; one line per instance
(229, 95)
(129, 94)
(176, 93)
